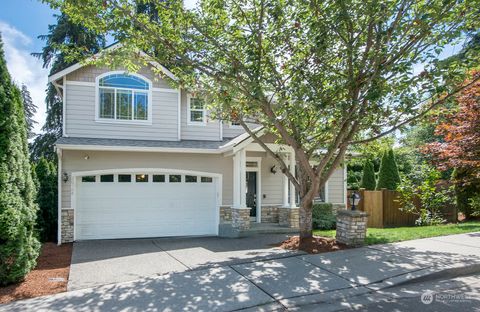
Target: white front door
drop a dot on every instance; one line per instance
(142, 204)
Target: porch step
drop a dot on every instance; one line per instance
(269, 228)
(226, 230)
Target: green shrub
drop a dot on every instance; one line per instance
(388, 176)
(19, 247)
(368, 178)
(466, 194)
(424, 186)
(323, 217)
(46, 173)
(475, 205)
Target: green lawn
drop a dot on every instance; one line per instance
(390, 235)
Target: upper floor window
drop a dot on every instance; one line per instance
(123, 97)
(196, 111)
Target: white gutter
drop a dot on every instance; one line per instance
(141, 149)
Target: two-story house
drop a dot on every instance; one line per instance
(139, 158)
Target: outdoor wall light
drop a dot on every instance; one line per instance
(65, 177)
(86, 157)
(273, 169)
(354, 199)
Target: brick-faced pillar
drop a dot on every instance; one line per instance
(241, 218)
(351, 227)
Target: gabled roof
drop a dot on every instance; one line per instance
(78, 65)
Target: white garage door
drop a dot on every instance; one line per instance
(142, 204)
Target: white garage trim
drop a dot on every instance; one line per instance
(216, 176)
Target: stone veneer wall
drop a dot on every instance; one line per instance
(351, 227)
(337, 207)
(67, 225)
(241, 218)
(288, 217)
(270, 214)
(225, 214)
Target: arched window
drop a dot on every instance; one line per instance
(123, 97)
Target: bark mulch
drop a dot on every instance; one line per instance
(50, 276)
(314, 245)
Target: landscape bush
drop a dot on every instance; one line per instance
(323, 217)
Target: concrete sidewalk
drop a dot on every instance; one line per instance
(292, 283)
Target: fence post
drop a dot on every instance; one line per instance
(361, 204)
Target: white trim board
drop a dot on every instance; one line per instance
(258, 170)
(79, 65)
(149, 120)
(92, 84)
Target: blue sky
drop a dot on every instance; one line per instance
(21, 22)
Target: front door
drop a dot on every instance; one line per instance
(252, 193)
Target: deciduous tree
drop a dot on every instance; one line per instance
(460, 133)
(318, 74)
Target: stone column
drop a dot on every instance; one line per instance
(351, 227)
(66, 226)
(240, 219)
(288, 217)
(288, 214)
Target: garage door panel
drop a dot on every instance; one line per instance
(123, 210)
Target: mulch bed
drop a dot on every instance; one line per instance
(50, 276)
(315, 245)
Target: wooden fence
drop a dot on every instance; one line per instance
(383, 208)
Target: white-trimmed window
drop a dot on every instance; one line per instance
(196, 111)
(123, 97)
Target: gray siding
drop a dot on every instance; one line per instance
(210, 131)
(80, 117)
(231, 132)
(272, 184)
(336, 187)
(74, 161)
(89, 74)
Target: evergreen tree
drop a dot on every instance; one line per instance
(368, 179)
(46, 174)
(70, 35)
(19, 247)
(388, 176)
(30, 110)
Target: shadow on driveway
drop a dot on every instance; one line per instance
(102, 262)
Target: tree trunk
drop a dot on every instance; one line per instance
(305, 216)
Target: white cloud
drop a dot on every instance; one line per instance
(25, 68)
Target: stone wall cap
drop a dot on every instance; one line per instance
(352, 213)
(241, 208)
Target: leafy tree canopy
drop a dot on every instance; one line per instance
(460, 133)
(321, 74)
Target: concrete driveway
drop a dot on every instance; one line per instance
(102, 262)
